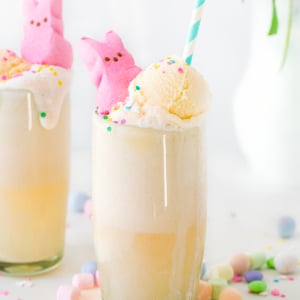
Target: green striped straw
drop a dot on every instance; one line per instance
(193, 32)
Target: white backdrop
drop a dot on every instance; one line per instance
(153, 29)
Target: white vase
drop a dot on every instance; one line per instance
(267, 103)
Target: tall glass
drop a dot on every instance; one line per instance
(149, 193)
(34, 180)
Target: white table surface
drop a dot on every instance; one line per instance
(242, 215)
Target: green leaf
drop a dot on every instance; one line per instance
(274, 23)
(288, 34)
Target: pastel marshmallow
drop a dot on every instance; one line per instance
(77, 201)
(221, 271)
(83, 281)
(240, 263)
(97, 279)
(89, 267)
(286, 227)
(230, 294)
(43, 41)
(253, 275)
(205, 290)
(88, 208)
(67, 292)
(257, 259)
(286, 262)
(218, 285)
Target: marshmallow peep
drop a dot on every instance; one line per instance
(43, 41)
(111, 68)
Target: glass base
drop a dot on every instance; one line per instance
(30, 269)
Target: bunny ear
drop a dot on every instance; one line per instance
(113, 40)
(29, 6)
(56, 7)
(89, 53)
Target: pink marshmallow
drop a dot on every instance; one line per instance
(68, 292)
(111, 68)
(43, 41)
(88, 208)
(97, 279)
(83, 281)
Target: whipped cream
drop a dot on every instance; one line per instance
(150, 116)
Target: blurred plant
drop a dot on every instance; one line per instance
(273, 30)
(275, 25)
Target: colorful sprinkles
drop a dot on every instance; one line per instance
(180, 70)
(107, 117)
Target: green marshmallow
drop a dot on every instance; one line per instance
(257, 260)
(257, 286)
(218, 285)
(270, 263)
(223, 271)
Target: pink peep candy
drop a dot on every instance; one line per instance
(111, 68)
(68, 292)
(83, 281)
(88, 208)
(43, 41)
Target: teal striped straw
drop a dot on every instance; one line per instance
(193, 31)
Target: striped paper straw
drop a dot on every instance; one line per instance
(193, 32)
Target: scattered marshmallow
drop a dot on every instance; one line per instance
(88, 208)
(97, 279)
(286, 227)
(77, 201)
(68, 292)
(257, 286)
(89, 267)
(205, 290)
(270, 263)
(257, 259)
(218, 285)
(253, 275)
(230, 294)
(222, 271)
(83, 281)
(286, 262)
(240, 263)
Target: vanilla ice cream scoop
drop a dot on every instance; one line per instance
(172, 85)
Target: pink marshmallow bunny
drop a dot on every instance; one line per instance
(43, 41)
(111, 68)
